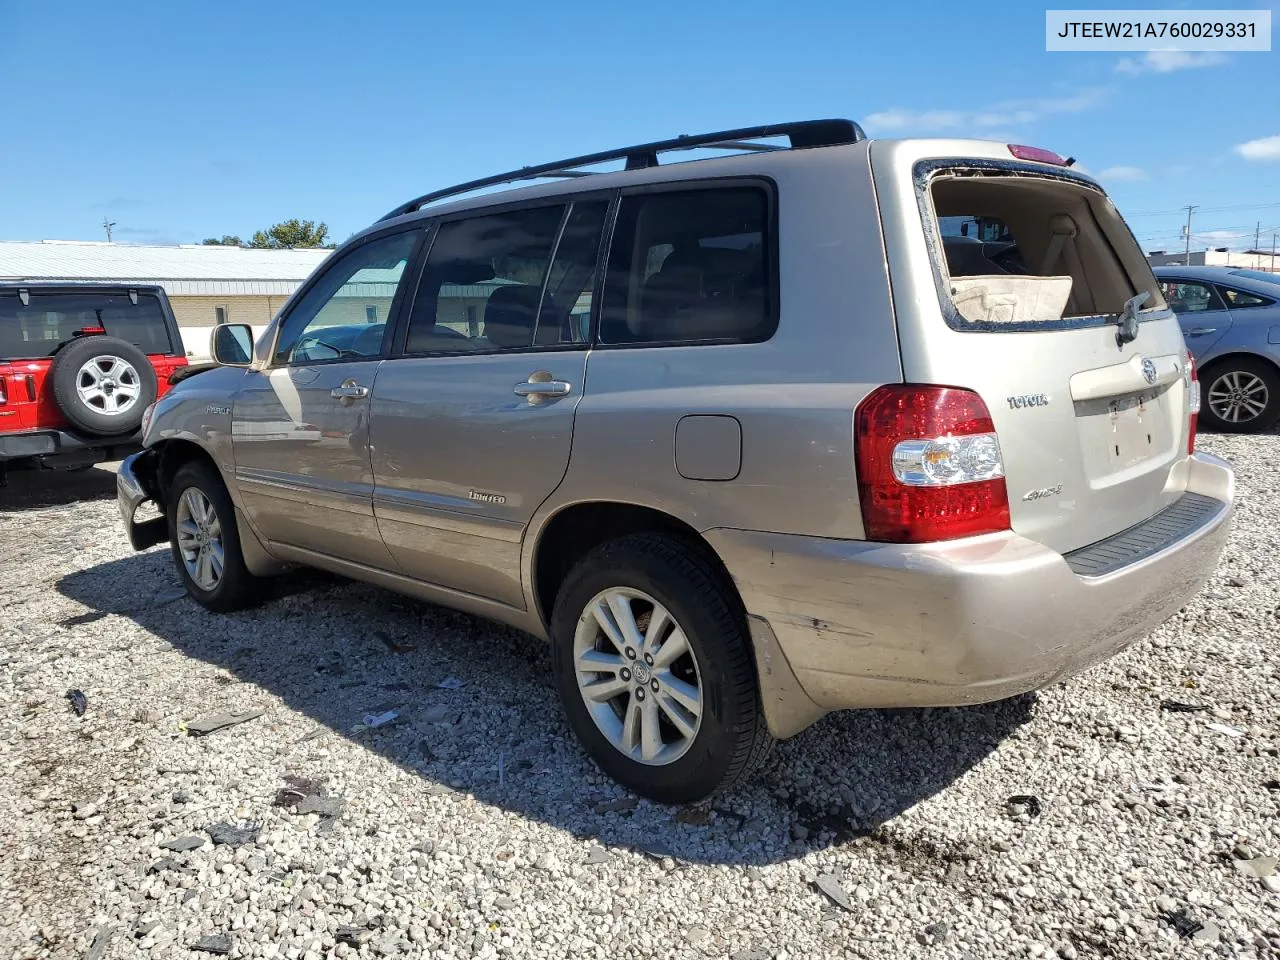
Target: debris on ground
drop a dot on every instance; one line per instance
(219, 944)
(226, 834)
(351, 936)
(220, 721)
(79, 702)
(830, 886)
(597, 854)
(1024, 803)
(375, 720)
(144, 927)
(1178, 706)
(169, 596)
(1225, 729)
(395, 646)
(1182, 922)
(183, 844)
(451, 683)
(101, 938)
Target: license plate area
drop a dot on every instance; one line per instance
(1135, 433)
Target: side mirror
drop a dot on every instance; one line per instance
(231, 344)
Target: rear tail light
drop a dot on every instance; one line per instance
(4, 391)
(929, 465)
(1193, 402)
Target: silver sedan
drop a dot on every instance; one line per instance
(1231, 321)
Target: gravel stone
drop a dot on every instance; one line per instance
(1142, 805)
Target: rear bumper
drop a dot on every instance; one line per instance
(136, 483)
(53, 445)
(887, 625)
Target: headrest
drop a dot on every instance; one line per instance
(510, 315)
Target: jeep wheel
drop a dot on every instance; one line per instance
(206, 542)
(654, 669)
(103, 385)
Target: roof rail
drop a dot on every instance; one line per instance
(802, 134)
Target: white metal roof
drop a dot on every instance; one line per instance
(188, 270)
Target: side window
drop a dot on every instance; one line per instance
(490, 282)
(331, 321)
(1186, 297)
(1238, 299)
(690, 266)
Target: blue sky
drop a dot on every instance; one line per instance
(180, 121)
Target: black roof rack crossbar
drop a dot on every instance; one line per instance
(801, 134)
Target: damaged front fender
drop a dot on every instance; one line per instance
(137, 482)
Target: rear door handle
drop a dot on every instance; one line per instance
(1201, 331)
(540, 386)
(349, 390)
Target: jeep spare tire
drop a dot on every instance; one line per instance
(102, 385)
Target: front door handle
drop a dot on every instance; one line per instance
(541, 387)
(1201, 331)
(349, 390)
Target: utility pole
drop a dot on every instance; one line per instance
(1186, 261)
(107, 225)
(1256, 232)
(1273, 253)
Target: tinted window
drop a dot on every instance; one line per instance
(1187, 297)
(491, 283)
(49, 320)
(332, 320)
(1238, 299)
(690, 266)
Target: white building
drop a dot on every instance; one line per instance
(206, 285)
(1222, 257)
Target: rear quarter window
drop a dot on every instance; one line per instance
(691, 266)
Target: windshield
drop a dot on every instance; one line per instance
(48, 320)
(1258, 275)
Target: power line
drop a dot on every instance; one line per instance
(1169, 213)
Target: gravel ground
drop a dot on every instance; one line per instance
(471, 825)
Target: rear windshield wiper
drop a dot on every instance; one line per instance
(1128, 321)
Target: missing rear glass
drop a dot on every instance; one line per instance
(1018, 251)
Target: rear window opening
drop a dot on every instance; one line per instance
(1018, 249)
(48, 320)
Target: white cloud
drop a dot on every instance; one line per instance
(1123, 173)
(1167, 61)
(1219, 235)
(983, 122)
(1264, 149)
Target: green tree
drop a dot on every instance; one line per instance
(226, 241)
(293, 233)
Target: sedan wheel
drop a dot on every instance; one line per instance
(1241, 395)
(1238, 396)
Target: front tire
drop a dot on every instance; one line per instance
(654, 668)
(1241, 395)
(205, 541)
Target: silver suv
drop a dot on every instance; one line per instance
(814, 424)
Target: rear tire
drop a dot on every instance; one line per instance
(647, 735)
(1240, 395)
(205, 540)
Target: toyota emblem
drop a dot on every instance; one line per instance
(1149, 370)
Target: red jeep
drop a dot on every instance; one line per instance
(78, 366)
